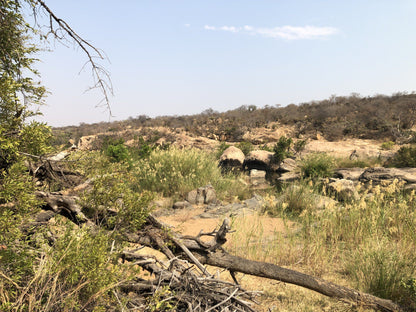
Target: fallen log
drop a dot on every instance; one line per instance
(156, 235)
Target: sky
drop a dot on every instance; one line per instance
(181, 57)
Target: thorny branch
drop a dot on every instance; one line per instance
(102, 80)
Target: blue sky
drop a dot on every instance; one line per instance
(176, 57)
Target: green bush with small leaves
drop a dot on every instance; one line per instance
(282, 149)
(317, 165)
(405, 157)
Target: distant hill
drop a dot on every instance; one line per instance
(377, 117)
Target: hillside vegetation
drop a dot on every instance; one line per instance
(381, 117)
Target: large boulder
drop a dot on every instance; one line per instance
(344, 190)
(258, 159)
(231, 158)
(381, 175)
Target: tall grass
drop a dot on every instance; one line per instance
(369, 243)
(174, 172)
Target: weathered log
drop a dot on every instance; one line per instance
(271, 271)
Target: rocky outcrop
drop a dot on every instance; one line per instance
(352, 174)
(258, 159)
(232, 158)
(381, 175)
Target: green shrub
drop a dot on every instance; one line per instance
(141, 149)
(282, 149)
(387, 145)
(405, 157)
(245, 147)
(117, 191)
(115, 150)
(317, 165)
(299, 146)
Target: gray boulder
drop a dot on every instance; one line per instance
(181, 205)
(258, 159)
(258, 178)
(231, 158)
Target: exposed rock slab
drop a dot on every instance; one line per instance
(381, 175)
(352, 174)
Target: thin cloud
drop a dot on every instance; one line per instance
(284, 32)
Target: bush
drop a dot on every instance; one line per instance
(299, 146)
(317, 165)
(282, 149)
(115, 150)
(245, 147)
(405, 157)
(387, 145)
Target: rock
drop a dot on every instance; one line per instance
(258, 178)
(191, 197)
(289, 177)
(343, 189)
(410, 187)
(324, 202)
(352, 174)
(287, 165)
(181, 205)
(210, 195)
(258, 159)
(248, 206)
(380, 175)
(202, 195)
(232, 157)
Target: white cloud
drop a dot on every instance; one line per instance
(187, 25)
(207, 27)
(284, 32)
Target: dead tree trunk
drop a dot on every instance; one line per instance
(271, 271)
